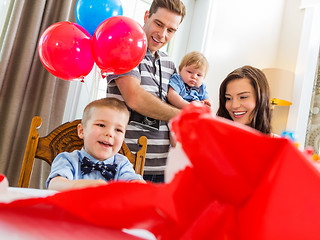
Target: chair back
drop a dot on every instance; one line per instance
(65, 139)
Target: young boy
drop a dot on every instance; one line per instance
(102, 129)
(188, 86)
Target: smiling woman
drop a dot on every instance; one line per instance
(244, 97)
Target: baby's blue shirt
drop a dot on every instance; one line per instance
(177, 84)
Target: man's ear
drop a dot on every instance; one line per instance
(146, 16)
(80, 130)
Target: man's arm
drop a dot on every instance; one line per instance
(142, 101)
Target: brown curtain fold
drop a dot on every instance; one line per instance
(26, 87)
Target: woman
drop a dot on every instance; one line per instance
(244, 97)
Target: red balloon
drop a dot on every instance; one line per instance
(65, 50)
(119, 44)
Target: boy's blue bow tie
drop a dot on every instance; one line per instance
(107, 170)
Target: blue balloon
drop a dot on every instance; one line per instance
(91, 13)
(291, 135)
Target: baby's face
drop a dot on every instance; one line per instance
(104, 132)
(193, 76)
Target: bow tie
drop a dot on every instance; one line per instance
(188, 88)
(107, 170)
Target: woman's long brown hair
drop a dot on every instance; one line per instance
(261, 119)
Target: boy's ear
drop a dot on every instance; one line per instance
(80, 130)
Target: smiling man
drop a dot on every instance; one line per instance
(144, 89)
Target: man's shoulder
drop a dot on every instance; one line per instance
(164, 57)
(162, 54)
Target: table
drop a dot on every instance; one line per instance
(14, 225)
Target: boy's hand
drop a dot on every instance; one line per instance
(82, 183)
(138, 180)
(61, 183)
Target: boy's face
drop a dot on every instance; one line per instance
(160, 28)
(104, 132)
(192, 76)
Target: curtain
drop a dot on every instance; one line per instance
(313, 128)
(26, 87)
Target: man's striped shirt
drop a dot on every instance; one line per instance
(158, 141)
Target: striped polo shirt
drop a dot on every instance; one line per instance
(158, 141)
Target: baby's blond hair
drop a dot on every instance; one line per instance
(196, 59)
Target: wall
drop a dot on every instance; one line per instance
(275, 33)
(243, 32)
(305, 69)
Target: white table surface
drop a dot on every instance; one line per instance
(14, 225)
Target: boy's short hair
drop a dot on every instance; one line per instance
(109, 102)
(175, 6)
(194, 58)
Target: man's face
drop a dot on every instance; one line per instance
(160, 28)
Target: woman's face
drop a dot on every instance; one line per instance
(240, 100)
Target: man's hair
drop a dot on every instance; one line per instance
(112, 103)
(261, 119)
(196, 59)
(175, 6)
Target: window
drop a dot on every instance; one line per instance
(5, 13)
(134, 9)
(94, 86)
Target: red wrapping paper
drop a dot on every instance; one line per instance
(242, 185)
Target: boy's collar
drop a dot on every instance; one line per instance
(84, 153)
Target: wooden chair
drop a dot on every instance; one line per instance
(65, 139)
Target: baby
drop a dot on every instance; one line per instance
(189, 86)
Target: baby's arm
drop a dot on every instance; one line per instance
(175, 99)
(61, 183)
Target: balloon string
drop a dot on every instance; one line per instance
(85, 84)
(95, 83)
(87, 89)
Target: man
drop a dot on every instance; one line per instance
(144, 89)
